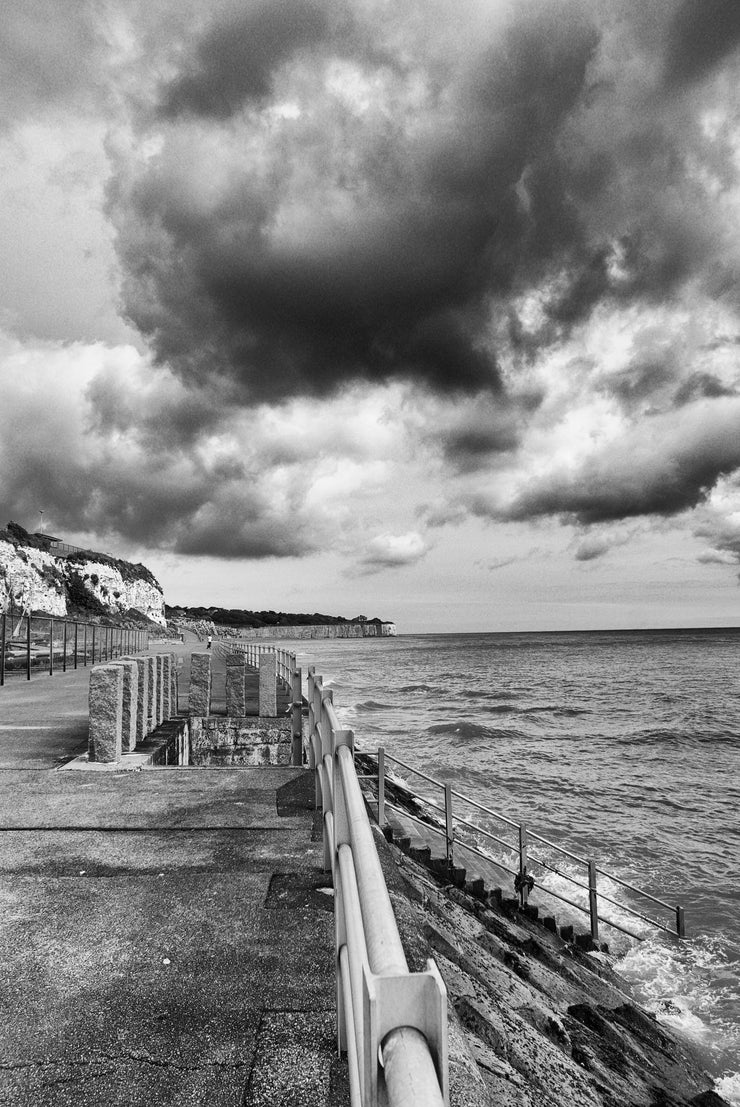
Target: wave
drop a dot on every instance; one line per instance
(465, 730)
(556, 709)
(408, 689)
(373, 705)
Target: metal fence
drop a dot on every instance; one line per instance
(392, 1023)
(35, 644)
(452, 819)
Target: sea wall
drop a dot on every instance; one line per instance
(333, 630)
(534, 1021)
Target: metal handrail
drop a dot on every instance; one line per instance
(383, 1009)
(524, 881)
(77, 648)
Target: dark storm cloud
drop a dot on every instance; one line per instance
(701, 35)
(355, 243)
(472, 436)
(234, 61)
(700, 385)
(125, 457)
(665, 465)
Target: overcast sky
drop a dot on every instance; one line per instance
(426, 310)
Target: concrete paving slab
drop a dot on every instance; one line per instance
(71, 853)
(156, 966)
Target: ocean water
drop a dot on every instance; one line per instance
(623, 747)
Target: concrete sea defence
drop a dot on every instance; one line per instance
(330, 630)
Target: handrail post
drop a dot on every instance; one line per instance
(680, 923)
(93, 644)
(449, 826)
(28, 647)
(381, 787)
(2, 654)
(51, 647)
(64, 647)
(297, 717)
(77, 629)
(523, 882)
(593, 905)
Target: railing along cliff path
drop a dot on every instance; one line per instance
(32, 643)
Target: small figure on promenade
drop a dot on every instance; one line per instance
(208, 641)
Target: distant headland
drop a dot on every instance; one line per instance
(238, 623)
(42, 575)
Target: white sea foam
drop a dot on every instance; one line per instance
(728, 1086)
(684, 986)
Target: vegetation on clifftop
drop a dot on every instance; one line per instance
(236, 617)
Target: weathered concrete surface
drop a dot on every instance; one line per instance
(188, 962)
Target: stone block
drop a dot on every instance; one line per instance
(168, 663)
(175, 687)
(142, 696)
(159, 706)
(236, 676)
(151, 700)
(199, 698)
(129, 704)
(106, 713)
(268, 686)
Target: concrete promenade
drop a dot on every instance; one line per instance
(166, 935)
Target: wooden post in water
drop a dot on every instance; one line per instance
(593, 906)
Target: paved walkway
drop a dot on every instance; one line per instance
(166, 936)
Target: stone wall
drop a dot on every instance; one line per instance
(335, 630)
(216, 741)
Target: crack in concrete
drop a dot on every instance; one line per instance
(132, 1055)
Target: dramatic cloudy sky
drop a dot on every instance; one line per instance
(427, 310)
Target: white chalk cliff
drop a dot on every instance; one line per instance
(35, 580)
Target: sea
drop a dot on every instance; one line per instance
(620, 746)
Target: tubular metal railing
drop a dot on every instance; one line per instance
(392, 1023)
(285, 660)
(524, 881)
(31, 643)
